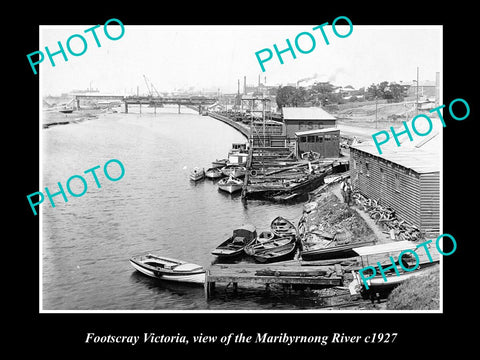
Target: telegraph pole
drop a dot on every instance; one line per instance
(417, 90)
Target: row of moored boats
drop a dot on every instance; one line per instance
(230, 171)
(276, 244)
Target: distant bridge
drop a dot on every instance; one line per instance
(193, 100)
(199, 101)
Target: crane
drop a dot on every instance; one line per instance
(148, 87)
(152, 86)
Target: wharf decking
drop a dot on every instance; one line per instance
(243, 129)
(285, 273)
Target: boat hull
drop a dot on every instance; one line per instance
(286, 252)
(197, 277)
(234, 171)
(334, 252)
(230, 188)
(234, 246)
(213, 173)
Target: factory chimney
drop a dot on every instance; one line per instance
(245, 85)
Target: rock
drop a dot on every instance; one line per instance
(310, 206)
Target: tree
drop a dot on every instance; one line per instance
(322, 93)
(291, 96)
(385, 90)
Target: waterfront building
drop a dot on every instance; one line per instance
(325, 142)
(405, 178)
(305, 118)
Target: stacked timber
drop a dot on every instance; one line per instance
(274, 175)
(387, 219)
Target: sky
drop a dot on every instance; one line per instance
(216, 57)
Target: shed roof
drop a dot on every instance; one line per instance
(422, 155)
(306, 113)
(412, 158)
(317, 131)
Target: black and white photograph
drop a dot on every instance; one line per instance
(179, 176)
(258, 179)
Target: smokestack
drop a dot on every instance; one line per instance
(238, 87)
(245, 85)
(437, 88)
(258, 79)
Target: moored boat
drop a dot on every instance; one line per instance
(165, 268)
(258, 247)
(391, 280)
(197, 174)
(278, 253)
(263, 237)
(219, 163)
(214, 173)
(234, 170)
(282, 227)
(230, 184)
(234, 246)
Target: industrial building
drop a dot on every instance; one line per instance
(405, 178)
(305, 118)
(325, 142)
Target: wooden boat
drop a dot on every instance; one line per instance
(234, 246)
(258, 247)
(214, 173)
(328, 249)
(234, 170)
(219, 163)
(279, 253)
(165, 268)
(230, 184)
(261, 238)
(282, 227)
(197, 174)
(378, 283)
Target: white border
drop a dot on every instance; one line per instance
(206, 311)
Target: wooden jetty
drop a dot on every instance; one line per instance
(287, 273)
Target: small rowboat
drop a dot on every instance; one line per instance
(197, 174)
(234, 246)
(278, 253)
(214, 173)
(262, 238)
(234, 170)
(219, 163)
(165, 268)
(230, 184)
(258, 247)
(282, 227)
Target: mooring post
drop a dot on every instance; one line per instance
(205, 286)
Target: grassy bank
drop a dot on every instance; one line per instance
(417, 293)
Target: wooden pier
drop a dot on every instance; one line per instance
(287, 274)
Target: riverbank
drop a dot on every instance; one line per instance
(53, 117)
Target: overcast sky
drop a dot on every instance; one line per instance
(215, 57)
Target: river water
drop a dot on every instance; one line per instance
(87, 241)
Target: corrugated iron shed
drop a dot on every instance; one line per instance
(317, 131)
(306, 113)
